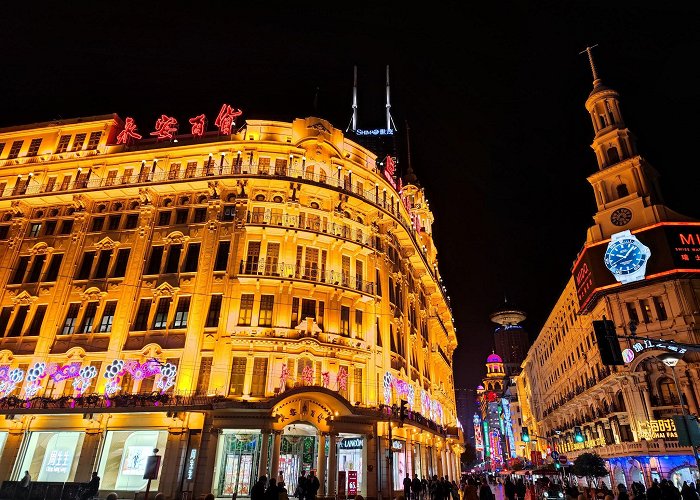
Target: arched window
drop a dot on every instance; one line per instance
(622, 190)
(621, 402)
(613, 155)
(667, 391)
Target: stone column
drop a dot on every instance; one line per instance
(443, 460)
(275, 465)
(321, 464)
(647, 401)
(425, 472)
(88, 455)
(9, 454)
(689, 398)
(332, 463)
(206, 463)
(173, 459)
(264, 450)
(409, 456)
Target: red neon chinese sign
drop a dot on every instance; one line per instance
(166, 126)
(199, 125)
(226, 119)
(129, 132)
(389, 170)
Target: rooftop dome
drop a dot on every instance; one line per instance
(494, 358)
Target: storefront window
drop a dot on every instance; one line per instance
(237, 463)
(350, 450)
(398, 449)
(52, 456)
(123, 459)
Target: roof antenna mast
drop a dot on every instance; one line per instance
(389, 120)
(353, 120)
(588, 52)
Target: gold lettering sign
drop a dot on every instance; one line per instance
(657, 429)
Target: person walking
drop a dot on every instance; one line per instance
(92, 487)
(312, 486)
(257, 492)
(509, 489)
(300, 490)
(407, 487)
(416, 486)
(24, 484)
(272, 493)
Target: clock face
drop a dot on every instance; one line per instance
(621, 216)
(624, 256)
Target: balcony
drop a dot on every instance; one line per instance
(311, 274)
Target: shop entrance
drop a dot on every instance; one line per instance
(240, 457)
(298, 452)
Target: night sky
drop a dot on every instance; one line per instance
(493, 93)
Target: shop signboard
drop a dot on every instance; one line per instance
(351, 444)
(352, 483)
(191, 463)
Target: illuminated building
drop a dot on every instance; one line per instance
(510, 338)
(623, 411)
(251, 300)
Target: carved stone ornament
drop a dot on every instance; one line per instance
(145, 196)
(319, 127)
(23, 298)
(165, 290)
(106, 243)
(41, 248)
(176, 238)
(91, 294)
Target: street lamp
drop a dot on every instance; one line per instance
(671, 360)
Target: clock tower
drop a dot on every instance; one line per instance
(626, 186)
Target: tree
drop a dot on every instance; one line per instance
(468, 458)
(590, 466)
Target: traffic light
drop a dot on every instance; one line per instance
(578, 435)
(526, 435)
(608, 344)
(403, 412)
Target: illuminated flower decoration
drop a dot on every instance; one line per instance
(284, 376)
(167, 379)
(88, 372)
(168, 370)
(342, 379)
(325, 378)
(114, 369)
(16, 375)
(36, 372)
(388, 380)
(307, 375)
(4, 372)
(84, 379)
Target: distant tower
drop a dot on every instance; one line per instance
(510, 338)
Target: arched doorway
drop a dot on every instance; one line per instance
(298, 452)
(619, 475)
(636, 474)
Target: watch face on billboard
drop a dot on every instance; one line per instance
(626, 257)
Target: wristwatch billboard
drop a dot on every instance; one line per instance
(626, 257)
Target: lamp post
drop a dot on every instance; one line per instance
(671, 361)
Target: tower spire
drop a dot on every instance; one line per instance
(588, 51)
(410, 177)
(389, 120)
(353, 119)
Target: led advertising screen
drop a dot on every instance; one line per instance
(675, 248)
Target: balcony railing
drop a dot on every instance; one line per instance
(273, 269)
(309, 223)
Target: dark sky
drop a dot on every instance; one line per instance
(494, 94)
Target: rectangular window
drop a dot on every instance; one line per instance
(203, 376)
(20, 270)
(183, 309)
(357, 385)
(192, 258)
(164, 218)
(200, 215)
(18, 325)
(63, 142)
(54, 266)
(264, 166)
(88, 319)
(102, 264)
(246, 311)
(214, 312)
(132, 221)
(50, 184)
(229, 213)
(660, 308)
(5, 314)
(97, 224)
(111, 177)
(38, 320)
(321, 313)
(34, 229)
(141, 320)
(646, 310)
(252, 257)
(113, 222)
(160, 320)
(173, 171)
(107, 317)
(280, 166)
(173, 261)
(272, 259)
(71, 318)
(86, 266)
(78, 142)
(15, 149)
(94, 140)
(181, 215)
(155, 260)
(632, 311)
(358, 324)
(190, 169)
(311, 263)
(237, 376)
(378, 283)
(344, 320)
(49, 227)
(346, 270)
(359, 275)
(295, 312)
(67, 226)
(2, 146)
(65, 182)
(257, 387)
(34, 147)
(4, 230)
(120, 265)
(222, 255)
(267, 303)
(35, 271)
(308, 309)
